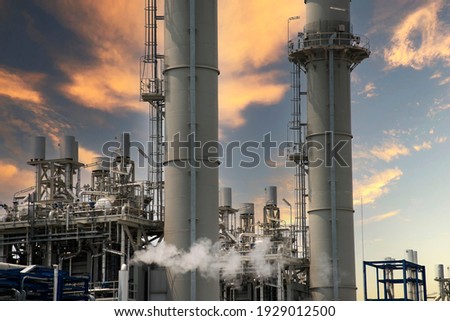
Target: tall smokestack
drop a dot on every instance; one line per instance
(329, 51)
(191, 188)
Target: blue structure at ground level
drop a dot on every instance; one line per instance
(37, 283)
(400, 280)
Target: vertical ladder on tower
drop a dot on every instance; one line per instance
(298, 155)
(152, 91)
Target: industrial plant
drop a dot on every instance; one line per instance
(64, 239)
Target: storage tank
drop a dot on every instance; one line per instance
(102, 164)
(271, 195)
(38, 148)
(225, 197)
(75, 151)
(126, 143)
(68, 147)
(247, 217)
(439, 271)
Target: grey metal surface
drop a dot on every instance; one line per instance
(328, 52)
(178, 73)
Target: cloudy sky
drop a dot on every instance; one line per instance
(72, 67)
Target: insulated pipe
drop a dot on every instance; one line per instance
(333, 173)
(55, 282)
(191, 79)
(192, 127)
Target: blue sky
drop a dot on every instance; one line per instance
(71, 67)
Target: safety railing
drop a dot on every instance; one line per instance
(326, 39)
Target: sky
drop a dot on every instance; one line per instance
(72, 68)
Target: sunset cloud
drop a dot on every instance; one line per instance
(235, 96)
(86, 156)
(438, 108)
(13, 179)
(373, 187)
(251, 37)
(114, 31)
(424, 145)
(21, 85)
(390, 150)
(444, 81)
(369, 90)
(381, 217)
(436, 75)
(421, 39)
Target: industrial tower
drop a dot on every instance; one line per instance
(327, 52)
(191, 177)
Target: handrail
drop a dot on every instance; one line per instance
(323, 39)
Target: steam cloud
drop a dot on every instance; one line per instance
(205, 257)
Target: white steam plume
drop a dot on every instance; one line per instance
(262, 268)
(207, 258)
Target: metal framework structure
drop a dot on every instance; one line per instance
(241, 233)
(41, 284)
(90, 231)
(152, 91)
(399, 280)
(297, 154)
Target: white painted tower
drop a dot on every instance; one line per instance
(328, 51)
(191, 87)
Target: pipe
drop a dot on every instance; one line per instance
(17, 294)
(8, 266)
(55, 282)
(67, 256)
(104, 263)
(122, 245)
(333, 173)
(192, 125)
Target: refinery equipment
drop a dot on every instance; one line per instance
(94, 230)
(286, 274)
(87, 231)
(327, 51)
(444, 284)
(41, 283)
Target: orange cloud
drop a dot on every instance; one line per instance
(20, 85)
(13, 179)
(424, 145)
(103, 87)
(421, 39)
(86, 156)
(390, 150)
(381, 217)
(239, 92)
(252, 36)
(441, 140)
(438, 108)
(436, 75)
(373, 187)
(444, 81)
(115, 31)
(369, 90)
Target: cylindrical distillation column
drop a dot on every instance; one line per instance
(328, 51)
(191, 75)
